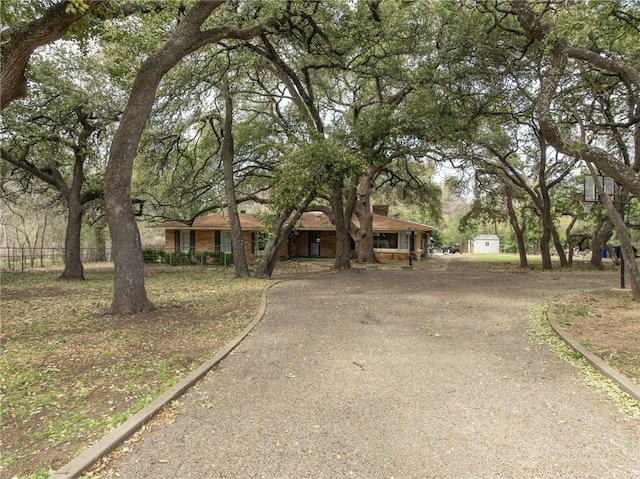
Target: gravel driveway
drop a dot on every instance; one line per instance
(394, 374)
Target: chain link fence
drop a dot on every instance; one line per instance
(25, 258)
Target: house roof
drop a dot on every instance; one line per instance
(309, 221)
(319, 221)
(213, 222)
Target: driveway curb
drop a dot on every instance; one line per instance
(113, 439)
(622, 381)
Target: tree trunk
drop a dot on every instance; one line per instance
(559, 246)
(72, 262)
(73, 268)
(600, 237)
(129, 292)
(363, 235)
(545, 253)
(100, 243)
(517, 230)
(341, 221)
(623, 233)
(279, 235)
(570, 245)
(549, 231)
(266, 265)
(239, 254)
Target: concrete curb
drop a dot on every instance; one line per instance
(622, 381)
(113, 439)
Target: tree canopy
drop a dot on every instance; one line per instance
(328, 105)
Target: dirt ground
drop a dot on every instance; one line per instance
(392, 373)
(607, 323)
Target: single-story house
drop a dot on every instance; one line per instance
(210, 233)
(484, 244)
(315, 237)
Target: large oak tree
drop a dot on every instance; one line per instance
(189, 35)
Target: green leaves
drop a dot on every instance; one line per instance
(76, 6)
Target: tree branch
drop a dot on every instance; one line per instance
(20, 41)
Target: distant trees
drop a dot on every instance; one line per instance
(601, 50)
(58, 138)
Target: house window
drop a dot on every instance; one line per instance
(487, 243)
(385, 240)
(185, 240)
(226, 242)
(404, 242)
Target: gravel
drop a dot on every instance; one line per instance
(393, 374)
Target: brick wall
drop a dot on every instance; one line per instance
(300, 244)
(328, 243)
(205, 241)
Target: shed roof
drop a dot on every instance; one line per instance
(213, 222)
(487, 238)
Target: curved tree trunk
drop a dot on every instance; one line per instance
(518, 231)
(266, 265)
(598, 241)
(559, 246)
(623, 233)
(129, 294)
(279, 235)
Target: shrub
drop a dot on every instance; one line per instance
(216, 257)
(181, 258)
(185, 258)
(151, 255)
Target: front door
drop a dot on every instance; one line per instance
(314, 244)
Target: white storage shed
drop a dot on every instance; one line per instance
(485, 244)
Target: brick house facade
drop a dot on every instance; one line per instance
(313, 237)
(211, 233)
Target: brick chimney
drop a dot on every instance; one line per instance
(381, 210)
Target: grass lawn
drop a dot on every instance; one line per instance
(69, 374)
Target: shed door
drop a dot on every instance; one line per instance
(314, 244)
